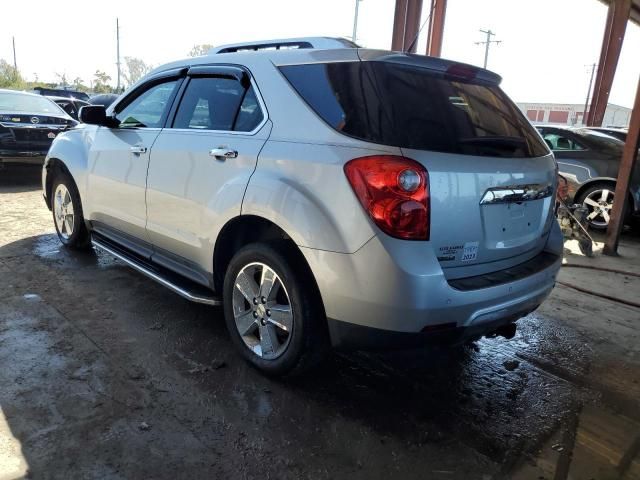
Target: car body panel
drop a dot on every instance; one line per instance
(191, 195)
(117, 179)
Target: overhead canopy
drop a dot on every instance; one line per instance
(635, 10)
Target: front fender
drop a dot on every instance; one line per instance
(70, 148)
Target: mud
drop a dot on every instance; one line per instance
(104, 374)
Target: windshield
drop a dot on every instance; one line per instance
(19, 102)
(414, 107)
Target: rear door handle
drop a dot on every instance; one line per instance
(138, 150)
(223, 153)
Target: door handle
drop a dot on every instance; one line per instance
(138, 150)
(222, 153)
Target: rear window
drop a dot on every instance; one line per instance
(414, 107)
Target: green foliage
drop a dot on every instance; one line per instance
(199, 50)
(101, 82)
(10, 77)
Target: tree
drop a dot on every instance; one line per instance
(199, 50)
(134, 70)
(62, 79)
(101, 82)
(79, 86)
(9, 76)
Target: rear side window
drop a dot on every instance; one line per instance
(414, 107)
(214, 103)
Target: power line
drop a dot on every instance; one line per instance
(487, 43)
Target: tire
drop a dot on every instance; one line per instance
(258, 320)
(598, 198)
(67, 213)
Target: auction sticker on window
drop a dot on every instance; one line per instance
(470, 251)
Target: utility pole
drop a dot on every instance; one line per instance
(15, 64)
(487, 43)
(118, 52)
(355, 22)
(586, 102)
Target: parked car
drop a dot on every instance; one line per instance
(619, 133)
(28, 125)
(104, 99)
(590, 160)
(352, 197)
(61, 92)
(70, 105)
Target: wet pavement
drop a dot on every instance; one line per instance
(104, 374)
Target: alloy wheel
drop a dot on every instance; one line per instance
(599, 203)
(63, 211)
(262, 310)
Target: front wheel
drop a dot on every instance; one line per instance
(272, 309)
(67, 213)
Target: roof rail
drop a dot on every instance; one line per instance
(285, 43)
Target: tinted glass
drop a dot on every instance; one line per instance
(213, 103)
(148, 108)
(18, 102)
(414, 107)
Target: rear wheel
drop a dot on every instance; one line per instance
(598, 199)
(272, 309)
(67, 213)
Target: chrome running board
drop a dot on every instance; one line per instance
(183, 287)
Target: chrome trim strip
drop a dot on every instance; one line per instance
(180, 291)
(517, 193)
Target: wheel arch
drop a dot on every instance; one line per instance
(243, 230)
(603, 180)
(68, 154)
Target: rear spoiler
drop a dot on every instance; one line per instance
(449, 69)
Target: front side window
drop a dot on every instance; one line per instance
(216, 103)
(148, 108)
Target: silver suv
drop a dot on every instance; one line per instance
(324, 195)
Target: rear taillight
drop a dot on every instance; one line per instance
(395, 193)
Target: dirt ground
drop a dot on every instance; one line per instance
(104, 374)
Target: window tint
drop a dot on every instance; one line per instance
(147, 109)
(413, 107)
(213, 103)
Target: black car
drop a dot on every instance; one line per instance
(619, 133)
(590, 160)
(28, 125)
(104, 99)
(70, 105)
(61, 92)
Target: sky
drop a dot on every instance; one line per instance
(544, 55)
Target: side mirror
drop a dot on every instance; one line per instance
(96, 115)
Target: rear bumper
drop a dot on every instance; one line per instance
(407, 295)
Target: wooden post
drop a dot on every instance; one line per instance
(436, 27)
(406, 23)
(621, 197)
